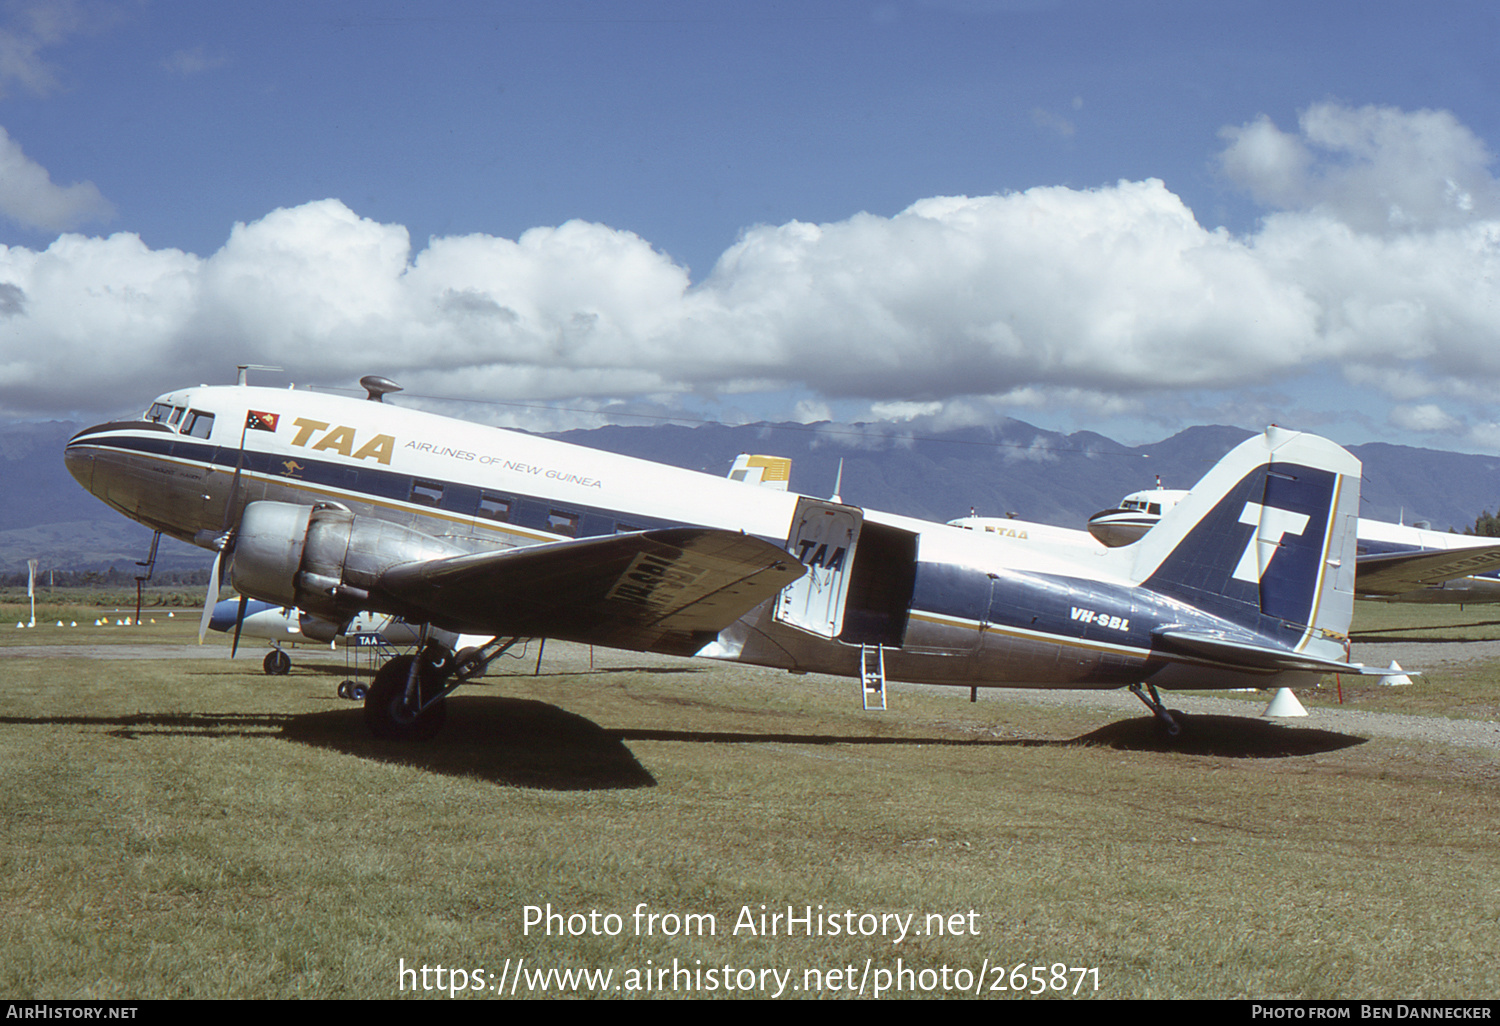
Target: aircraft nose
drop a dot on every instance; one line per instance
(223, 615)
(79, 460)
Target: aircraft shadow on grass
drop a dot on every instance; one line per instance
(330, 670)
(1225, 736)
(1414, 635)
(1234, 737)
(515, 741)
(527, 743)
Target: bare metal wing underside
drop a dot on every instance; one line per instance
(1408, 571)
(668, 591)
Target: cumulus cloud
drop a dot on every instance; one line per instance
(1425, 417)
(1117, 289)
(1104, 299)
(29, 197)
(1375, 169)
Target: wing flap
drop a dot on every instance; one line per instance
(1397, 572)
(669, 590)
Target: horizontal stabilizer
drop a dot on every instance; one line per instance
(1397, 572)
(1244, 654)
(668, 590)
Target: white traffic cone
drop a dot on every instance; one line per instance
(1395, 676)
(1285, 704)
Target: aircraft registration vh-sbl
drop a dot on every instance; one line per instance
(336, 505)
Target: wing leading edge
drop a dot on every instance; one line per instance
(666, 591)
(1398, 572)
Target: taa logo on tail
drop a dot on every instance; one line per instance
(1271, 524)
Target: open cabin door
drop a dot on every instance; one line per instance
(823, 538)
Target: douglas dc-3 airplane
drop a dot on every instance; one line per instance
(252, 618)
(337, 505)
(1395, 562)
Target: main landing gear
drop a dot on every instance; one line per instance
(406, 702)
(1169, 719)
(276, 663)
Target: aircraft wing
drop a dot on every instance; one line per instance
(667, 591)
(1397, 572)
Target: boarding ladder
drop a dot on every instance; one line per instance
(872, 677)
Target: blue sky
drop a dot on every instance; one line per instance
(1123, 217)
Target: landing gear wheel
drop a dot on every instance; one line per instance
(345, 686)
(358, 691)
(277, 663)
(386, 711)
(1169, 721)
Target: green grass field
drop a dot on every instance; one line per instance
(185, 827)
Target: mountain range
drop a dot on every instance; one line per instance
(1013, 468)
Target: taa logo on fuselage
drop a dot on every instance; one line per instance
(341, 440)
(822, 558)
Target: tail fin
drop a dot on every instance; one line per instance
(769, 471)
(1265, 540)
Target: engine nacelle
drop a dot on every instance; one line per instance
(322, 559)
(315, 628)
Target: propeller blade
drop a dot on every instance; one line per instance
(239, 621)
(226, 543)
(212, 598)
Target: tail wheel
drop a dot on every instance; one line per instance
(386, 712)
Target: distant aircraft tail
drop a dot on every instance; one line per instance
(1267, 541)
(769, 471)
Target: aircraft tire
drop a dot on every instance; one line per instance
(344, 688)
(385, 707)
(276, 663)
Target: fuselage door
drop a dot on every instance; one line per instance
(822, 538)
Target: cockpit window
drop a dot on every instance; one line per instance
(199, 424)
(165, 413)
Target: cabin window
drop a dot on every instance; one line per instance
(426, 493)
(199, 424)
(158, 412)
(1155, 507)
(627, 528)
(493, 507)
(176, 416)
(563, 523)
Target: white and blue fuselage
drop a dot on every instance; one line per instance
(943, 604)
